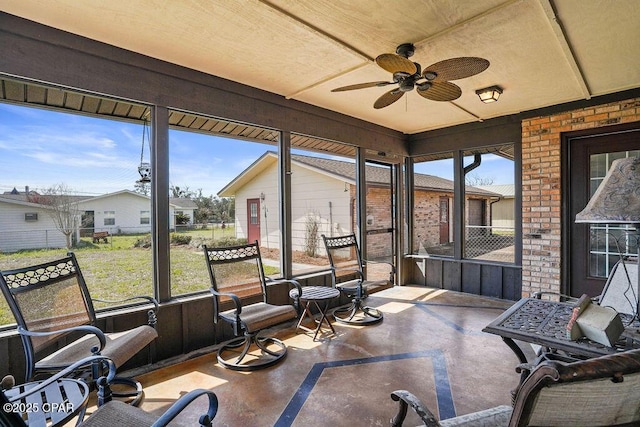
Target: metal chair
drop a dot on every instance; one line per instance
(52, 306)
(604, 391)
(59, 409)
(238, 281)
(345, 257)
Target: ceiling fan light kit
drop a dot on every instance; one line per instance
(432, 83)
(489, 94)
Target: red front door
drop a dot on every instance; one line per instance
(253, 220)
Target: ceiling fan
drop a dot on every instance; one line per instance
(432, 83)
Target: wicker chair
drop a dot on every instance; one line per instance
(52, 306)
(604, 391)
(345, 257)
(109, 413)
(238, 280)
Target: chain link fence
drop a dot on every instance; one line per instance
(490, 243)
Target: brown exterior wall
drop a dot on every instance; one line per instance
(541, 186)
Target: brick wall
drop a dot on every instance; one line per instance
(541, 186)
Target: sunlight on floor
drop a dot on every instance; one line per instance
(171, 387)
(410, 293)
(394, 307)
(304, 341)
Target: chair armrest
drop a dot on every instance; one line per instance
(205, 420)
(407, 400)
(234, 298)
(296, 284)
(276, 282)
(151, 314)
(87, 329)
(68, 370)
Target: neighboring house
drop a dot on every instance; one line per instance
(185, 206)
(503, 210)
(121, 212)
(323, 193)
(126, 211)
(28, 225)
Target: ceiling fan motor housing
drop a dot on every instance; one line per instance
(406, 50)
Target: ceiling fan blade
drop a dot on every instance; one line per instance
(441, 91)
(455, 68)
(394, 63)
(361, 86)
(388, 99)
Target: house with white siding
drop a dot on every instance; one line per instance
(126, 211)
(28, 225)
(323, 193)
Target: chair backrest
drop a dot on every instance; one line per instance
(47, 297)
(237, 270)
(619, 292)
(343, 251)
(604, 391)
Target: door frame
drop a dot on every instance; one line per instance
(576, 148)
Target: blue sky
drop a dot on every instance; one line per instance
(42, 148)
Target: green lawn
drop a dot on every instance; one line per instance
(118, 269)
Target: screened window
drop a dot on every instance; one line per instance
(232, 185)
(433, 206)
(90, 165)
(323, 195)
(490, 204)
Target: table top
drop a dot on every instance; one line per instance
(315, 293)
(63, 399)
(544, 323)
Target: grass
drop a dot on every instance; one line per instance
(118, 270)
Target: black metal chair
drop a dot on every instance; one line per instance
(56, 410)
(238, 280)
(52, 305)
(345, 257)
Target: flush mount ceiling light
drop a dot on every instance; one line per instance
(489, 94)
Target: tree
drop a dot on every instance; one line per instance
(142, 188)
(178, 192)
(63, 209)
(475, 179)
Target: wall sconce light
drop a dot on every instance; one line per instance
(489, 94)
(262, 196)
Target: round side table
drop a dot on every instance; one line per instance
(315, 295)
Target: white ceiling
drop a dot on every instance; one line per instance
(542, 52)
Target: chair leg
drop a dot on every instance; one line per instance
(266, 358)
(358, 314)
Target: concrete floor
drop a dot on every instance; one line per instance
(430, 343)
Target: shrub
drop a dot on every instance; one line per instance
(143, 242)
(180, 239)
